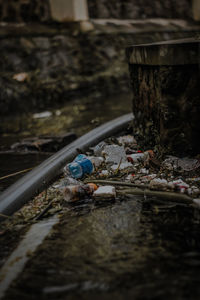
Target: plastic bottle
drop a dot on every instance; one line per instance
(80, 166)
(74, 193)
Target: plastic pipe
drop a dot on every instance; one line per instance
(40, 177)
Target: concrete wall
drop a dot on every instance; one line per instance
(44, 10)
(137, 9)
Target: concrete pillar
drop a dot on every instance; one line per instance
(69, 10)
(196, 9)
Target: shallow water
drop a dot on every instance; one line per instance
(130, 249)
(79, 116)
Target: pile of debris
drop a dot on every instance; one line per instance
(119, 162)
(111, 171)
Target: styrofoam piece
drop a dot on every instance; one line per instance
(107, 192)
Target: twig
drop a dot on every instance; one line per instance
(44, 211)
(5, 216)
(174, 197)
(117, 170)
(112, 182)
(16, 173)
(46, 208)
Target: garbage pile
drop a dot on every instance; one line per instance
(119, 161)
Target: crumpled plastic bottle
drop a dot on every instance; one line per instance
(74, 193)
(80, 166)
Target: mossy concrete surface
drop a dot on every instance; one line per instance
(166, 102)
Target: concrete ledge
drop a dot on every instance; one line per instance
(170, 53)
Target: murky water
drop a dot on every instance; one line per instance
(130, 249)
(79, 116)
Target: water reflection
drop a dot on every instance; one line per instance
(125, 250)
(79, 116)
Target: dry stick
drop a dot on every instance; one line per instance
(44, 210)
(174, 197)
(5, 216)
(122, 183)
(16, 173)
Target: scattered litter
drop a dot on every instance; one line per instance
(104, 173)
(195, 179)
(188, 164)
(80, 166)
(97, 150)
(161, 184)
(181, 164)
(136, 157)
(67, 181)
(96, 160)
(107, 192)
(21, 77)
(127, 166)
(114, 154)
(74, 193)
(180, 185)
(44, 114)
(127, 140)
(144, 171)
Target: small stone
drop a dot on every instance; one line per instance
(107, 192)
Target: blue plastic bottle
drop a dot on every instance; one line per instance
(80, 166)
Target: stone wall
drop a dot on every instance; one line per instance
(39, 10)
(43, 66)
(24, 11)
(138, 9)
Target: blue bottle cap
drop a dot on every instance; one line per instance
(75, 170)
(80, 157)
(86, 165)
